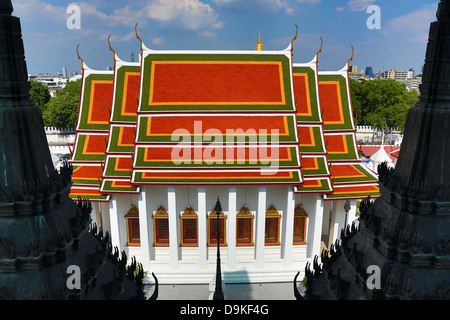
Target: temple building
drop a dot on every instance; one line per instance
(159, 141)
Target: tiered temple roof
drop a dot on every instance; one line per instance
(92, 133)
(122, 131)
(217, 117)
(350, 177)
(313, 153)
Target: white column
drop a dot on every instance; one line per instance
(231, 234)
(173, 230)
(316, 224)
(352, 213)
(95, 214)
(260, 227)
(114, 221)
(202, 229)
(289, 230)
(337, 220)
(145, 228)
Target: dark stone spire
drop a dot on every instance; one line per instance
(423, 161)
(6, 7)
(25, 162)
(405, 234)
(42, 231)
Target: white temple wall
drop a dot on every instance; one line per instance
(259, 262)
(104, 217)
(326, 219)
(337, 221)
(156, 196)
(124, 202)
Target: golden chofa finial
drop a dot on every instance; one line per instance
(295, 37)
(110, 48)
(259, 45)
(137, 35)
(79, 57)
(351, 58)
(320, 50)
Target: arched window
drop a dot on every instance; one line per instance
(272, 234)
(212, 229)
(300, 217)
(189, 228)
(244, 227)
(161, 227)
(133, 233)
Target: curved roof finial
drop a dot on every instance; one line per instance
(320, 50)
(78, 54)
(295, 37)
(110, 48)
(137, 35)
(351, 58)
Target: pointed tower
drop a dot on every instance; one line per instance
(48, 249)
(401, 247)
(259, 45)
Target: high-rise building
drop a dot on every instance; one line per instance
(398, 75)
(64, 72)
(369, 72)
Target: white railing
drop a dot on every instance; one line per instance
(370, 129)
(54, 130)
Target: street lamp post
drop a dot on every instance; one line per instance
(218, 293)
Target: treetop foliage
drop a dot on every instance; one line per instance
(59, 111)
(382, 102)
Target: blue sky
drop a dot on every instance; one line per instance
(226, 25)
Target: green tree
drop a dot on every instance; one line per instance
(39, 94)
(382, 103)
(62, 109)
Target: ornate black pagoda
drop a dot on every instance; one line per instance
(400, 249)
(43, 233)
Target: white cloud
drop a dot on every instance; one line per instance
(157, 41)
(187, 14)
(37, 10)
(340, 9)
(413, 26)
(360, 5)
(262, 7)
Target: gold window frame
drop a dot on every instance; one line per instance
(272, 213)
(223, 220)
(132, 214)
(300, 213)
(245, 213)
(160, 214)
(189, 214)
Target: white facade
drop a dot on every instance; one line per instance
(240, 264)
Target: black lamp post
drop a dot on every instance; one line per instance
(218, 293)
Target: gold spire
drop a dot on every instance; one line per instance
(259, 45)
